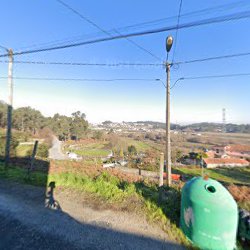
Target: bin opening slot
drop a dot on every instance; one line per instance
(210, 188)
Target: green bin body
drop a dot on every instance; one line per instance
(209, 214)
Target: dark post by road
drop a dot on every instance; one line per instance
(161, 170)
(33, 158)
(10, 107)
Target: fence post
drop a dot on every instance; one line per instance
(33, 158)
(161, 170)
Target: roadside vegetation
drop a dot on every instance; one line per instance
(22, 144)
(239, 175)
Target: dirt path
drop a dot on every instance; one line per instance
(26, 224)
(55, 152)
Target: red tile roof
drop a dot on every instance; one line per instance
(238, 148)
(225, 161)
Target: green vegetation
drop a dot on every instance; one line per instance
(20, 175)
(29, 120)
(235, 175)
(132, 150)
(96, 149)
(25, 150)
(139, 145)
(92, 152)
(42, 150)
(13, 146)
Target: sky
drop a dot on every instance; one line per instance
(35, 24)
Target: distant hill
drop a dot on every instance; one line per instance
(159, 124)
(203, 127)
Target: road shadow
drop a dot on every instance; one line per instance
(31, 218)
(50, 201)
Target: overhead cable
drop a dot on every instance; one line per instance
(231, 17)
(106, 32)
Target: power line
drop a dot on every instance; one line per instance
(83, 17)
(86, 63)
(215, 76)
(147, 23)
(214, 58)
(129, 64)
(125, 79)
(106, 32)
(235, 16)
(4, 48)
(177, 29)
(78, 79)
(189, 14)
(209, 77)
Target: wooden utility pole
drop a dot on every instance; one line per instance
(10, 107)
(168, 142)
(161, 170)
(169, 43)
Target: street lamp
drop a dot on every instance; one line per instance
(169, 43)
(179, 79)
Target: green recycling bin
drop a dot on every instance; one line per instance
(209, 214)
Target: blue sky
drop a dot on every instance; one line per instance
(32, 23)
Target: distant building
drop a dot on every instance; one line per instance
(238, 151)
(232, 151)
(225, 162)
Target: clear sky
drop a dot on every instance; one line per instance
(30, 23)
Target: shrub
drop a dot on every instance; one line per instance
(13, 145)
(42, 151)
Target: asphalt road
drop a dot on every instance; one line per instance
(55, 152)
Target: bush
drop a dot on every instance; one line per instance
(13, 145)
(132, 150)
(42, 151)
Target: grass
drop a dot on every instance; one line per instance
(240, 175)
(20, 175)
(90, 149)
(92, 152)
(23, 150)
(140, 145)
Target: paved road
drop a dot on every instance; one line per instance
(55, 151)
(26, 224)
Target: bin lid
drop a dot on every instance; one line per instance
(209, 191)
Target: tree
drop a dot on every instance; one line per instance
(78, 125)
(28, 119)
(132, 150)
(176, 155)
(98, 135)
(121, 153)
